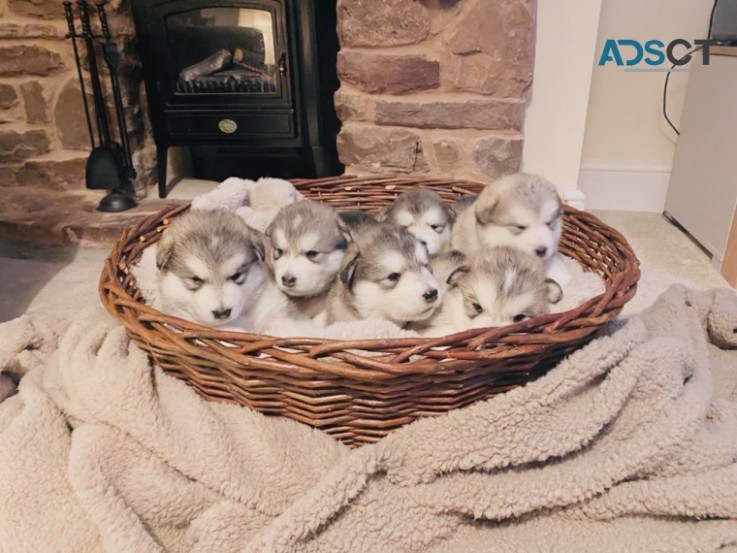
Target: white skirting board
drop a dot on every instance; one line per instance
(624, 187)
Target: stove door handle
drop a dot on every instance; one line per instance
(283, 63)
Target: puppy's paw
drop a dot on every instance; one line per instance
(553, 290)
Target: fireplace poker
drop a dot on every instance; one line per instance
(97, 94)
(112, 59)
(73, 35)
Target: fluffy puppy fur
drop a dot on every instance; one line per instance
(386, 274)
(305, 246)
(521, 210)
(445, 264)
(210, 267)
(356, 220)
(496, 287)
(424, 214)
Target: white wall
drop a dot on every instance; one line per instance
(556, 112)
(628, 147)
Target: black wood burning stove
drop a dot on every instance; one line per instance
(247, 85)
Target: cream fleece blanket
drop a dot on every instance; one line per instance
(630, 444)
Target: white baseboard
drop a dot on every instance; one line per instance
(625, 187)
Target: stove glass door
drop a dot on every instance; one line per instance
(225, 51)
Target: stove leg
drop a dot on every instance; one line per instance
(320, 162)
(161, 163)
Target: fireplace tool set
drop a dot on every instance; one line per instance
(110, 165)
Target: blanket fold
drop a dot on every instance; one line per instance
(629, 444)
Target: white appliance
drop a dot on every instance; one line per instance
(702, 194)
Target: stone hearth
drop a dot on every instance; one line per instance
(54, 218)
(428, 87)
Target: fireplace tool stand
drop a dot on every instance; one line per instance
(109, 165)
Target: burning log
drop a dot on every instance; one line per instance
(247, 57)
(219, 60)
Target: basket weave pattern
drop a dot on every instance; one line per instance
(358, 391)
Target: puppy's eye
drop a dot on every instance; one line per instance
(194, 282)
(477, 307)
(238, 277)
(438, 228)
(394, 277)
(556, 218)
(276, 254)
(519, 318)
(520, 227)
(312, 254)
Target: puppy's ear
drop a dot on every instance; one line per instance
(457, 274)
(382, 215)
(486, 204)
(348, 270)
(345, 230)
(164, 251)
(553, 290)
(452, 215)
(258, 243)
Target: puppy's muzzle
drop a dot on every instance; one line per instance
(221, 314)
(431, 295)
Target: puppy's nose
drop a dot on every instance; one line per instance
(541, 251)
(423, 242)
(431, 295)
(221, 314)
(289, 280)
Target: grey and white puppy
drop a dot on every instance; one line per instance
(305, 246)
(386, 274)
(423, 213)
(496, 287)
(521, 210)
(210, 267)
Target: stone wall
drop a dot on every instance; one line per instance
(433, 86)
(43, 134)
(428, 86)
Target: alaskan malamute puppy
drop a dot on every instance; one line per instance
(422, 212)
(210, 267)
(496, 287)
(305, 246)
(386, 274)
(520, 210)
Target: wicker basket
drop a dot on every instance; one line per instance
(359, 391)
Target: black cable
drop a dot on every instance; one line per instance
(667, 76)
(665, 87)
(711, 18)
